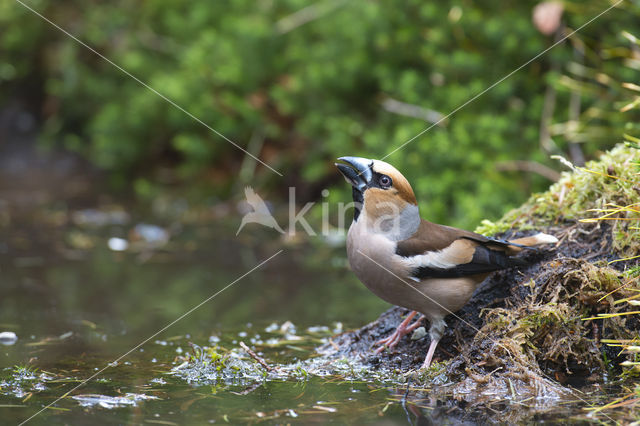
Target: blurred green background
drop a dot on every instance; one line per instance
(299, 83)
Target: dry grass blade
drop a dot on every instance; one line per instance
(612, 315)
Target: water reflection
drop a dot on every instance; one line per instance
(75, 305)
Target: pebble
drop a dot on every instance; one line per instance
(419, 333)
(8, 338)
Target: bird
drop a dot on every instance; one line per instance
(260, 213)
(408, 261)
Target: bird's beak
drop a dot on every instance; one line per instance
(356, 171)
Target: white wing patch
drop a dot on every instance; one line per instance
(458, 253)
(542, 238)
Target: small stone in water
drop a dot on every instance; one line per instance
(419, 333)
(151, 234)
(318, 329)
(273, 327)
(288, 327)
(8, 338)
(118, 244)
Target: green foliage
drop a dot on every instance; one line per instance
(313, 81)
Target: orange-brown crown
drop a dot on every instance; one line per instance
(400, 185)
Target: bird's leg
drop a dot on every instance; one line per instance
(432, 349)
(403, 329)
(435, 332)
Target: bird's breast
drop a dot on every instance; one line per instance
(372, 258)
(374, 261)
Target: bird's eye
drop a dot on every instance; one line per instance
(385, 181)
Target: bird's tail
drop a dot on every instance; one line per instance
(532, 241)
(244, 222)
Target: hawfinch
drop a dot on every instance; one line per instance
(410, 262)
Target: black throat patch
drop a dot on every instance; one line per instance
(358, 200)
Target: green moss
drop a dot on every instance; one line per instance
(25, 372)
(488, 227)
(609, 186)
(633, 272)
(538, 332)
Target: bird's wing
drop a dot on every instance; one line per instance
(255, 201)
(437, 251)
(251, 195)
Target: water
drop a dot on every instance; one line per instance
(76, 306)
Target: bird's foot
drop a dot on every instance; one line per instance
(432, 348)
(403, 329)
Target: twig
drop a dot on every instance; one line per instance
(255, 356)
(248, 166)
(306, 15)
(415, 111)
(404, 401)
(529, 166)
(248, 390)
(546, 143)
(335, 346)
(577, 156)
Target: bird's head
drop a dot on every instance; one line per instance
(381, 191)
